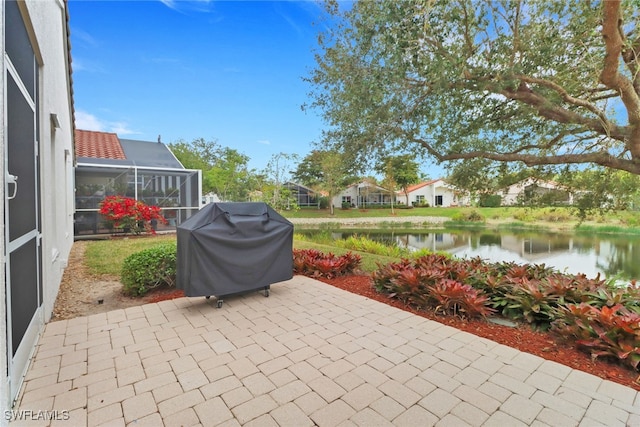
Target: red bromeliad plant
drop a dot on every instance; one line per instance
(313, 263)
(435, 281)
(612, 332)
(130, 214)
(453, 297)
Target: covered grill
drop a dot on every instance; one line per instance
(232, 248)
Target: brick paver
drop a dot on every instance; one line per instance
(310, 354)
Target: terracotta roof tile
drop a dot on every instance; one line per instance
(422, 184)
(100, 145)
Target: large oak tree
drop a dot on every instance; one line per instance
(541, 83)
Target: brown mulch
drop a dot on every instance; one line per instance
(82, 294)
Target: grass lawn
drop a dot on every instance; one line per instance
(105, 257)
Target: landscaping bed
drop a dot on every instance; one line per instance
(83, 294)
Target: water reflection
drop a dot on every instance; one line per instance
(590, 255)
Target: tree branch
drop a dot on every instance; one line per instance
(550, 111)
(599, 158)
(610, 75)
(630, 57)
(567, 97)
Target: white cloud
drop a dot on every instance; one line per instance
(290, 21)
(122, 128)
(181, 5)
(79, 64)
(171, 4)
(84, 37)
(87, 121)
(264, 142)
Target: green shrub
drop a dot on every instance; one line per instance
(420, 204)
(324, 202)
(149, 269)
(522, 214)
(490, 200)
(468, 215)
(552, 214)
(630, 219)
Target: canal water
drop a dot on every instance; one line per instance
(591, 255)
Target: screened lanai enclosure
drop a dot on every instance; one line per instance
(304, 196)
(145, 171)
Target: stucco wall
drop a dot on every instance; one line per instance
(426, 191)
(56, 150)
(437, 188)
(46, 24)
(351, 191)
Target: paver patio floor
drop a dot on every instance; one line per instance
(310, 354)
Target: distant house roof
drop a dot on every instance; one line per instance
(98, 145)
(106, 148)
(420, 185)
(366, 184)
(152, 154)
(295, 185)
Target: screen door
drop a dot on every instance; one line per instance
(22, 219)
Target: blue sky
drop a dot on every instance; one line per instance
(225, 70)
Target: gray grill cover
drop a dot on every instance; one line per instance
(229, 248)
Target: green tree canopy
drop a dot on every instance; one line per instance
(542, 83)
(224, 170)
(482, 177)
(309, 170)
(314, 169)
(325, 171)
(230, 177)
(603, 189)
(197, 154)
(400, 171)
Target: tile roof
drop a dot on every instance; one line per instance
(100, 145)
(422, 184)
